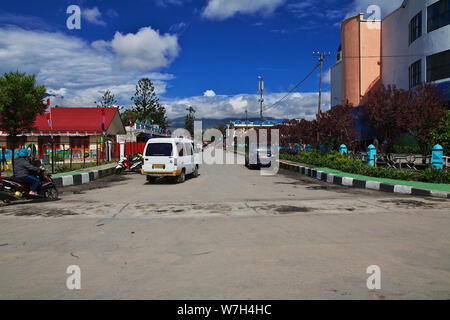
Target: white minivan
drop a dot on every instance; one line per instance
(170, 157)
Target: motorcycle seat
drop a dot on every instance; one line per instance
(14, 179)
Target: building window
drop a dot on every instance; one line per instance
(415, 74)
(415, 27)
(79, 142)
(438, 66)
(438, 15)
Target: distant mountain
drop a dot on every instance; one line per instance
(209, 123)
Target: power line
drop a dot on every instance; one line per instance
(293, 89)
(387, 56)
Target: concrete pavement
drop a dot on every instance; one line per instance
(229, 234)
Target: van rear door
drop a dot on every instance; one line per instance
(158, 157)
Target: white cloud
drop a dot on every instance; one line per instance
(93, 15)
(145, 50)
(297, 105)
(386, 6)
(72, 68)
(224, 9)
(209, 93)
(327, 76)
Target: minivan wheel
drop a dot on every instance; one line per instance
(181, 177)
(195, 173)
(151, 179)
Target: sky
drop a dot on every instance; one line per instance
(207, 54)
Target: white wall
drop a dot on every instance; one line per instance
(336, 84)
(395, 42)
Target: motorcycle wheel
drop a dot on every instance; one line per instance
(118, 170)
(52, 194)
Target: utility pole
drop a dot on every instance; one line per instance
(246, 119)
(321, 56)
(261, 100)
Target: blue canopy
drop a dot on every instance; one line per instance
(268, 122)
(361, 125)
(238, 122)
(445, 89)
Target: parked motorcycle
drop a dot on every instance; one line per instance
(129, 164)
(12, 189)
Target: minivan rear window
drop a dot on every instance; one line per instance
(158, 150)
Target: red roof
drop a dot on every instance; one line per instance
(76, 119)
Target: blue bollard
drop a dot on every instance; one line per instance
(343, 149)
(323, 148)
(437, 157)
(371, 155)
(308, 148)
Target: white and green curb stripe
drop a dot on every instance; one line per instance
(82, 178)
(364, 184)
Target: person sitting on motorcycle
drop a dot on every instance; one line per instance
(23, 171)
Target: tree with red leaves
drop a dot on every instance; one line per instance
(337, 126)
(423, 114)
(392, 111)
(384, 106)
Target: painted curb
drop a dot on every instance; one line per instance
(82, 178)
(363, 184)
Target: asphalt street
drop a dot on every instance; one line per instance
(228, 234)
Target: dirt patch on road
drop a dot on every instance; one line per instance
(409, 204)
(28, 212)
(291, 209)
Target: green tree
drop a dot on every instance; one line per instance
(222, 128)
(125, 116)
(146, 104)
(107, 100)
(189, 120)
(441, 134)
(21, 100)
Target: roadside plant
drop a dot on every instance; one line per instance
(21, 100)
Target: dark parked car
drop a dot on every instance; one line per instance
(258, 155)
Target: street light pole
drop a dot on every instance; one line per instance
(321, 56)
(261, 100)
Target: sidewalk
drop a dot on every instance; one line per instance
(83, 170)
(417, 184)
(83, 176)
(79, 176)
(380, 184)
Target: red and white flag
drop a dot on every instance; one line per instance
(48, 114)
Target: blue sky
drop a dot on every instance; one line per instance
(204, 53)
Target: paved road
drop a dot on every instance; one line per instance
(230, 233)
